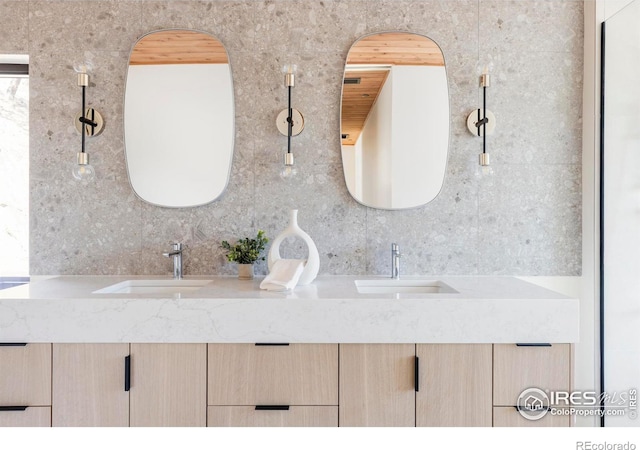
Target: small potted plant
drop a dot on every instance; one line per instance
(245, 252)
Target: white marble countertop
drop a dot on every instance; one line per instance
(330, 310)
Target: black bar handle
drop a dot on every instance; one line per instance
(13, 408)
(522, 408)
(13, 344)
(127, 373)
(537, 344)
(272, 407)
(417, 374)
(272, 344)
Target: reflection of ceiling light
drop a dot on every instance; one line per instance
(365, 95)
(367, 67)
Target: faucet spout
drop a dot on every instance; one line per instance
(395, 261)
(176, 253)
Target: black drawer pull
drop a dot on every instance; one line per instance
(525, 409)
(540, 344)
(127, 373)
(417, 374)
(272, 344)
(272, 407)
(13, 408)
(13, 344)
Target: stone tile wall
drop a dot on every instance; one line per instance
(523, 219)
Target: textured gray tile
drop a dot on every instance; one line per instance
(453, 25)
(477, 225)
(87, 25)
(14, 27)
(77, 229)
(294, 26)
(438, 238)
(530, 220)
(229, 21)
(544, 123)
(326, 212)
(201, 229)
(531, 26)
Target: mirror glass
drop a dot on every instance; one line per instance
(394, 120)
(179, 118)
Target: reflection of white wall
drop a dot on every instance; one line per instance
(352, 164)
(376, 141)
(179, 132)
(419, 94)
(405, 139)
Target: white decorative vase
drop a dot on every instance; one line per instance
(245, 271)
(312, 265)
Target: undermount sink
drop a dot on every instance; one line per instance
(153, 287)
(402, 286)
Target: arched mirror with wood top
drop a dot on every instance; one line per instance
(394, 120)
(179, 118)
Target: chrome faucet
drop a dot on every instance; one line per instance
(395, 261)
(177, 260)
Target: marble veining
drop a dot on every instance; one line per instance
(523, 220)
(484, 310)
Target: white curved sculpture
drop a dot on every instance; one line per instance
(312, 265)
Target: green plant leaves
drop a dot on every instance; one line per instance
(246, 251)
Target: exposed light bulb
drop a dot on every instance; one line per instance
(290, 68)
(486, 171)
(83, 172)
(484, 68)
(83, 66)
(288, 173)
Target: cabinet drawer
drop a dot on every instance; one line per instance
(516, 368)
(30, 417)
(25, 375)
(508, 416)
(296, 374)
(295, 416)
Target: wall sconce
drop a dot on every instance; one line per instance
(88, 122)
(482, 122)
(290, 122)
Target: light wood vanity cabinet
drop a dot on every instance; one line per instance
(415, 385)
(377, 385)
(167, 385)
(518, 367)
(25, 385)
(277, 385)
(272, 385)
(89, 385)
(454, 385)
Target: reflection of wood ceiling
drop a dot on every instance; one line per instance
(178, 47)
(385, 49)
(357, 100)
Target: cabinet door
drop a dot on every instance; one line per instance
(296, 374)
(88, 385)
(454, 385)
(25, 375)
(168, 385)
(517, 368)
(377, 385)
(294, 416)
(39, 416)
